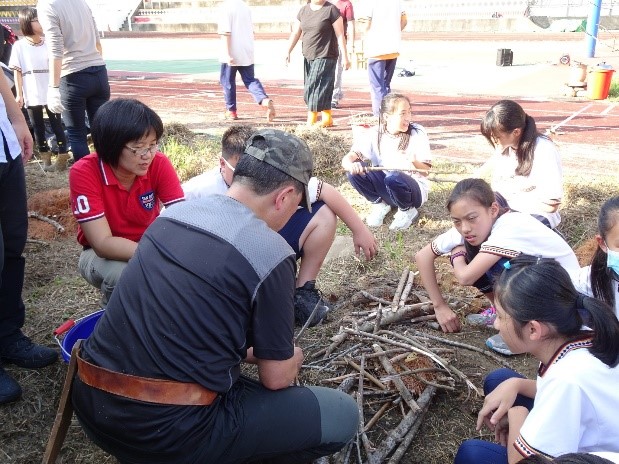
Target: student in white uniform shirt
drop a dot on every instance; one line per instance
(402, 148)
(576, 340)
(601, 278)
(309, 233)
(484, 236)
(526, 168)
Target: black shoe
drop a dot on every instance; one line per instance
(305, 300)
(9, 389)
(24, 353)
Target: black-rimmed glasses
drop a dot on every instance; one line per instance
(143, 151)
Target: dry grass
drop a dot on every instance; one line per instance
(54, 292)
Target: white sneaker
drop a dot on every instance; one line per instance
(377, 214)
(497, 344)
(403, 219)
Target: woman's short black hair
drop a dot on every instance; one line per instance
(119, 122)
(26, 16)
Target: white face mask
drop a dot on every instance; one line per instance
(612, 262)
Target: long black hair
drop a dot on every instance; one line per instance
(505, 116)
(601, 281)
(540, 289)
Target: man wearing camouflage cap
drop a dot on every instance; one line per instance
(210, 286)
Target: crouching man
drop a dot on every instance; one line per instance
(210, 286)
(309, 232)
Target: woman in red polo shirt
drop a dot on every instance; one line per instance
(117, 192)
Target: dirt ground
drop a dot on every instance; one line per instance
(54, 292)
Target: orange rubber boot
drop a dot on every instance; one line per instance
(312, 117)
(326, 120)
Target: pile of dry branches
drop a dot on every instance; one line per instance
(391, 371)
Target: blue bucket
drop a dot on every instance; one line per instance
(80, 329)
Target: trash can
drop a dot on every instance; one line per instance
(504, 57)
(599, 80)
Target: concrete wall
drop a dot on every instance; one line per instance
(446, 25)
(277, 16)
(473, 25)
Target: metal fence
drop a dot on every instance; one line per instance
(571, 8)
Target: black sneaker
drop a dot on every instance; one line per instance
(9, 389)
(24, 353)
(305, 300)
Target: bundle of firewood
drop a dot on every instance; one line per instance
(387, 365)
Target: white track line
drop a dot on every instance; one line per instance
(608, 109)
(556, 126)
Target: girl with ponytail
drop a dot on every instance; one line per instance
(576, 340)
(526, 168)
(601, 278)
(485, 234)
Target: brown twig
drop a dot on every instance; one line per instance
(442, 362)
(344, 455)
(397, 381)
(38, 242)
(308, 322)
(387, 168)
(424, 404)
(422, 171)
(339, 378)
(429, 317)
(40, 217)
(369, 296)
(379, 318)
(463, 345)
(414, 372)
(397, 434)
(434, 357)
(367, 375)
(376, 417)
(389, 318)
(361, 432)
(407, 288)
(388, 352)
(441, 179)
(398, 292)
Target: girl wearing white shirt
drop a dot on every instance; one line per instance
(30, 64)
(401, 145)
(484, 236)
(526, 168)
(601, 278)
(576, 340)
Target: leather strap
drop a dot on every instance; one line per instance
(144, 389)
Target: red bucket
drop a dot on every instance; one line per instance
(74, 331)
